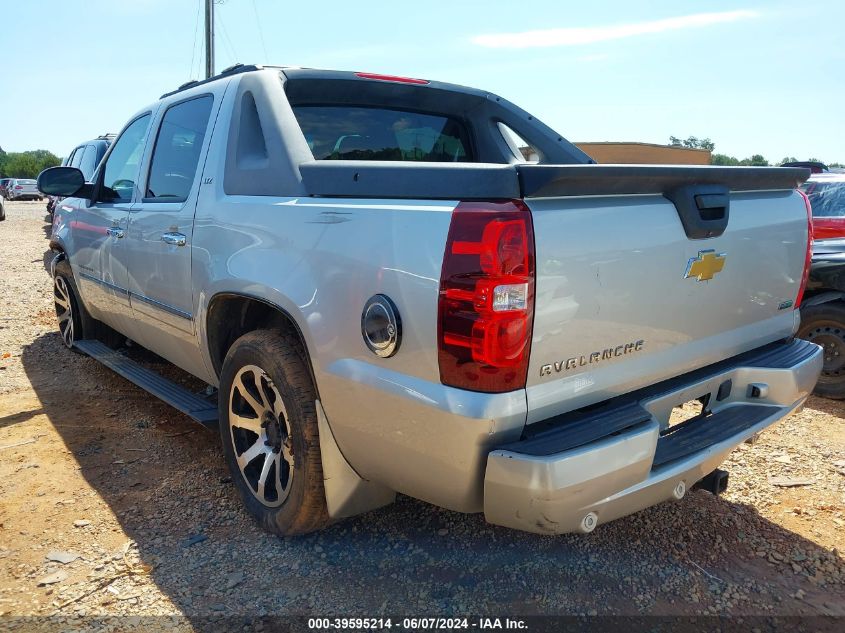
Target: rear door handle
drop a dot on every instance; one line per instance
(115, 231)
(176, 239)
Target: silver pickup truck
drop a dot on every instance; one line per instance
(400, 285)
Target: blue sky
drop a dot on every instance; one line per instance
(756, 77)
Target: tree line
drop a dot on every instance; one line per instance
(755, 160)
(26, 164)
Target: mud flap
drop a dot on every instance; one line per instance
(347, 494)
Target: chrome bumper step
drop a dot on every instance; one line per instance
(192, 405)
(699, 433)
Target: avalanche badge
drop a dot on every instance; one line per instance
(706, 265)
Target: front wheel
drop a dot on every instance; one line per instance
(69, 311)
(825, 325)
(268, 426)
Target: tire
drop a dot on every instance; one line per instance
(268, 427)
(825, 325)
(74, 320)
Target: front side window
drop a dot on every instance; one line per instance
(121, 167)
(364, 133)
(177, 150)
(827, 199)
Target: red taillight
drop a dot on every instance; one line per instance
(18, 187)
(486, 306)
(808, 258)
(393, 78)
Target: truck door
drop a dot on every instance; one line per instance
(158, 240)
(99, 228)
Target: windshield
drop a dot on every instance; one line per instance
(826, 198)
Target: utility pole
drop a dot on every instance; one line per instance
(209, 38)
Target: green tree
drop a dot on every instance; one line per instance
(788, 159)
(692, 142)
(723, 159)
(756, 160)
(27, 164)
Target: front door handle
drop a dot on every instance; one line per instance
(176, 239)
(115, 231)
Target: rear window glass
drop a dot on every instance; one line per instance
(26, 182)
(363, 133)
(826, 198)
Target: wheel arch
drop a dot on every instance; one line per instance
(823, 297)
(56, 244)
(230, 315)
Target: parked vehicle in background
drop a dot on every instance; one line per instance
(823, 308)
(391, 299)
(827, 198)
(85, 157)
(2, 209)
(814, 166)
(23, 189)
(4, 187)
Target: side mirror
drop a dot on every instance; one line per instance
(61, 181)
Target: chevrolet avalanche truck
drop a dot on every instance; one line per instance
(401, 285)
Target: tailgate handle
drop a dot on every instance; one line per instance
(703, 209)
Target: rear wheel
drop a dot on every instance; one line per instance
(825, 325)
(268, 426)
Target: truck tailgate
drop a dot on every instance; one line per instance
(625, 298)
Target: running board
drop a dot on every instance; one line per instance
(192, 405)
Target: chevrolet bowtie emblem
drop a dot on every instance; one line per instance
(706, 265)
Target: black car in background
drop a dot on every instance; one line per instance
(85, 157)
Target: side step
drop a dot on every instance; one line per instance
(193, 406)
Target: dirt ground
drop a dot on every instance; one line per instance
(136, 499)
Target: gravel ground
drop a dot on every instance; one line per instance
(93, 469)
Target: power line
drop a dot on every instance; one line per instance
(194, 47)
(233, 55)
(260, 33)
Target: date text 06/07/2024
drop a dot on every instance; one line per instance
(415, 624)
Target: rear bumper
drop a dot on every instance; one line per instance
(581, 469)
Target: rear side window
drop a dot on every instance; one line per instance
(364, 133)
(76, 157)
(89, 162)
(177, 150)
(826, 198)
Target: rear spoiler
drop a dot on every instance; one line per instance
(551, 181)
(489, 181)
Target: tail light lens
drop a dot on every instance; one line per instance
(808, 258)
(18, 187)
(486, 306)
